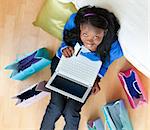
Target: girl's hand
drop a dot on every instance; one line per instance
(68, 51)
(96, 88)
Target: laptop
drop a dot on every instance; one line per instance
(79, 74)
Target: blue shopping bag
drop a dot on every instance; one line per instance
(29, 64)
(95, 124)
(116, 116)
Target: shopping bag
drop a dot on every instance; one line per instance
(133, 87)
(31, 95)
(116, 116)
(95, 124)
(30, 64)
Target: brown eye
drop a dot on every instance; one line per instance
(96, 37)
(84, 34)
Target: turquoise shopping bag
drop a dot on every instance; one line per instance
(116, 116)
(29, 64)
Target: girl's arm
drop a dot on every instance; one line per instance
(115, 53)
(64, 49)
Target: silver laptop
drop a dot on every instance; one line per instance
(78, 71)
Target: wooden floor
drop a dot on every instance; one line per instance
(17, 37)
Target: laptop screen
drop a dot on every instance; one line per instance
(69, 86)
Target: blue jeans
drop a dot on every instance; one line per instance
(61, 105)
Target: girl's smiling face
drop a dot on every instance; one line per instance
(91, 36)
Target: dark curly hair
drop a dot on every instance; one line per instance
(102, 18)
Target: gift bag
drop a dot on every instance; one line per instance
(116, 116)
(32, 94)
(133, 87)
(29, 64)
(95, 124)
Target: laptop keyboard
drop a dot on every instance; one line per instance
(80, 69)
